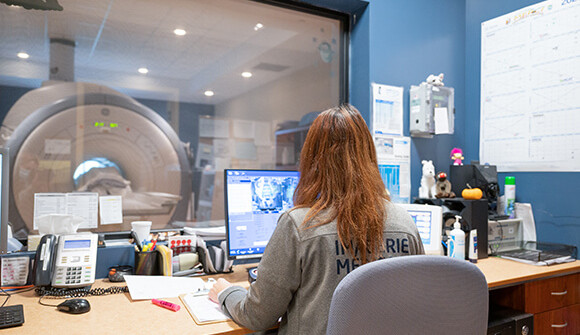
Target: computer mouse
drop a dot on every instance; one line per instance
(75, 306)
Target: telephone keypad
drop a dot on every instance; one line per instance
(73, 274)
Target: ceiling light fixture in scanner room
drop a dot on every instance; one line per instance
(70, 137)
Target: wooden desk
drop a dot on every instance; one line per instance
(118, 314)
(550, 293)
(502, 272)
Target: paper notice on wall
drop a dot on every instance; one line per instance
(245, 150)
(397, 179)
(84, 205)
(394, 156)
(209, 127)
(387, 115)
(393, 148)
(222, 147)
(441, 121)
(81, 204)
(48, 203)
(243, 129)
(111, 209)
(262, 133)
(529, 113)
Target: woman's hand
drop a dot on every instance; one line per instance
(219, 286)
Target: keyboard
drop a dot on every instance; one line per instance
(11, 316)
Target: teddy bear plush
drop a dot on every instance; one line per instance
(435, 80)
(443, 187)
(427, 188)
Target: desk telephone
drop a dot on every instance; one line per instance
(66, 261)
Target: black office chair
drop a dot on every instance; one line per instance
(411, 295)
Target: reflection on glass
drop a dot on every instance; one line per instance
(112, 98)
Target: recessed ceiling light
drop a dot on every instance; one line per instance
(246, 74)
(143, 70)
(179, 32)
(23, 55)
(208, 93)
(258, 26)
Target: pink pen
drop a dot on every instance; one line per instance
(166, 304)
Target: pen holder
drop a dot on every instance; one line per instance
(148, 263)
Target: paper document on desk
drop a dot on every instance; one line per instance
(524, 212)
(559, 260)
(202, 309)
(155, 287)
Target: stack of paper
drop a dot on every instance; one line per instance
(156, 287)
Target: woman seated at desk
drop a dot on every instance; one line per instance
(341, 208)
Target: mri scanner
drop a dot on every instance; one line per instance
(69, 137)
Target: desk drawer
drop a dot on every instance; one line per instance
(559, 321)
(549, 294)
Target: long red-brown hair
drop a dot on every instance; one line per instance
(339, 175)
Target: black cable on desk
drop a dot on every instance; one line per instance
(79, 292)
(59, 293)
(7, 297)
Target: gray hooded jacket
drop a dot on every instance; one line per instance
(300, 270)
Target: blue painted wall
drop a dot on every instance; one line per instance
(408, 40)
(553, 195)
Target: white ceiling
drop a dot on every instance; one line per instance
(115, 38)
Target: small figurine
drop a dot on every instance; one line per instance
(457, 156)
(435, 80)
(427, 189)
(443, 187)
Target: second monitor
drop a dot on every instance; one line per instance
(428, 219)
(254, 200)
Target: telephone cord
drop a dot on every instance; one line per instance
(60, 293)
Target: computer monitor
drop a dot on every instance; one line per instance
(254, 200)
(4, 182)
(429, 221)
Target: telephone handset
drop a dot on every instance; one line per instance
(66, 260)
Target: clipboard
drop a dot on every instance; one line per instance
(202, 310)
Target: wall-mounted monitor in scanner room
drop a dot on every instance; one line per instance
(429, 221)
(254, 200)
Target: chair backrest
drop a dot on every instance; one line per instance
(411, 295)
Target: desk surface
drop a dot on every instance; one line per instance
(118, 314)
(502, 272)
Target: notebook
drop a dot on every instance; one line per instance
(202, 309)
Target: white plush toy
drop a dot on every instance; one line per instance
(435, 80)
(427, 189)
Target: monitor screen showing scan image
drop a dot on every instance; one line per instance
(429, 221)
(254, 200)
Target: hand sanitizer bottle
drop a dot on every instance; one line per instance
(457, 241)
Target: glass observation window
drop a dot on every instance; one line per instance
(152, 100)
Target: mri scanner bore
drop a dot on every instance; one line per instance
(85, 137)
